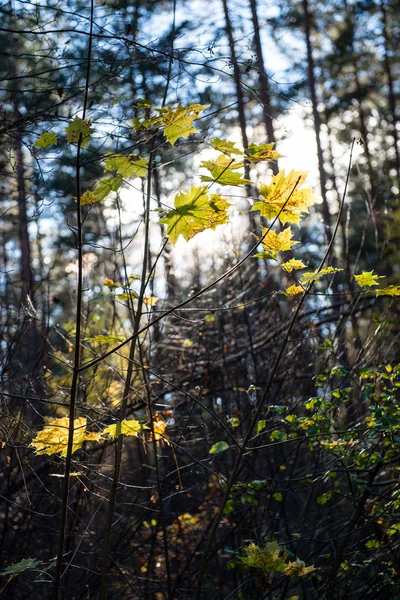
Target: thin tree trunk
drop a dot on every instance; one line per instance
(253, 221)
(264, 91)
(392, 96)
(317, 122)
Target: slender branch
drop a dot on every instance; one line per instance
(78, 321)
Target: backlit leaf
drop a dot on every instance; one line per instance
(294, 290)
(282, 194)
(150, 300)
(391, 290)
(257, 153)
(223, 171)
(367, 278)
(195, 211)
(53, 438)
(226, 147)
(89, 197)
(48, 138)
(104, 339)
(110, 184)
(178, 122)
(278, 242)
(127, 166)
(316, 275)
(123, 427)
(79, 129)
(293, 264)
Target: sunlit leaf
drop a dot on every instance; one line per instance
(367, 278)
(226, 147)
(104, 339)
(89, 197)
(53, 438)
(294, 290)
(124, 427)
(195, 211)
(46, 139)
(278, 242)
(178, 122)
(111, 284)
(218, 447)
(257, 153)
(128, 295)
(79, 129)
(223, 171)
(293, 264)
(391, 290)
(282, 196)
(127, 166)
(107, 185)
(150, 300)
(316, 275)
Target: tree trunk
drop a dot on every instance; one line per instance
(264, 91)
(392, 96)
(317, 122)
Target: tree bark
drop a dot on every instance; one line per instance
(264, 91)
(317, 122)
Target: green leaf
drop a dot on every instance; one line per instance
(110, 184)
(128, 295)
(223, 171)
(278, 496)
(261, 425)
(79, 129)
(324, 498)
(194, 212)
(178, 122)
(316, 275)
(225, 147)
(218, 447)
(17, 568)
(258, 153)
(46, 139)
(127, 166)
(104, 339)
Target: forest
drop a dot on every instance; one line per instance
(199, 282)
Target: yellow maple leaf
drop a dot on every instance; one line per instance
(89, 197)
(261, 152)
(150, 300)
(124, 427)
(367, 278)
(277, 242)
(282, 196)
(159, 427)
(293, 264)
(178, 122)
(316, 275)
(391, 290)
(53, 438)
(294, 290)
